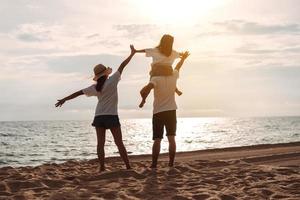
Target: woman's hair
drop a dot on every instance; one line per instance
(166, 45)
(100, 83)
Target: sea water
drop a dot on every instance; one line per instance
(37, 142)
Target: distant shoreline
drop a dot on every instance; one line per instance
(124, 118)
(183, 153)
(207, 152)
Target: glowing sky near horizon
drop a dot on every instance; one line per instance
(244, 55)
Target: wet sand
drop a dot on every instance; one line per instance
(254, 172)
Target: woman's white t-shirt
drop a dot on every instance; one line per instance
(108, 97)
(159, 58)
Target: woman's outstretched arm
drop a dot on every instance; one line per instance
(127, 60)
(60, 102)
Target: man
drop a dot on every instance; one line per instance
(164, 111)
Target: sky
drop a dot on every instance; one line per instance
(245, 55)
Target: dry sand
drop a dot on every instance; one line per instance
(255, 172)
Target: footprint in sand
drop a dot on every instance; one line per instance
(201, 196)
(114, 175)
(15, 186)
(227, 197)
(54, 183)
(179, 197)
(173, 171)
(279, 196)
(266, 192)
(3, 189)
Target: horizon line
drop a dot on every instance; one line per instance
(45, 120)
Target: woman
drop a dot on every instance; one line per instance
(106, 115)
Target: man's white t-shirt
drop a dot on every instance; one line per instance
(159, 58)
(164, 92)
(108, 97)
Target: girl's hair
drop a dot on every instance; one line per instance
(100, 83)
(166, 45)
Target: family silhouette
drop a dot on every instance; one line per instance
(163, 80)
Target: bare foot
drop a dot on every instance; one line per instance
(128, 167)
(101, 170)
(179, 93)
(153, 166)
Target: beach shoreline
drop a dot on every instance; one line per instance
(268, 171)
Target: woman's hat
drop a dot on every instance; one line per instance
(101, 70)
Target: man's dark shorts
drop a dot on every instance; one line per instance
(164, 119)
(106, 121)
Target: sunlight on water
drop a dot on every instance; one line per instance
(33, 143)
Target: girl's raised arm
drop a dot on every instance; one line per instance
(140, 51)
(183, 57)
(60, 102)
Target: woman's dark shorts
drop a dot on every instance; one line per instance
(106, 121)
(164, 119)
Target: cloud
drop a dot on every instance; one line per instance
(34, 32)
(254, 28)
(97, 39)
(81, 63)
(107, 43)
(136, 30)
(14, 13)
(61, 37)
(95, 35)
(281, 73)
(292, 49)
(251, 50)
(29, 38)
(242, 27)
(40, 32)
(256, 50)
(49, 49)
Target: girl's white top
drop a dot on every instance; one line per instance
(159, 58)
(108, 97)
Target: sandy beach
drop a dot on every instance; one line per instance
(254, 172)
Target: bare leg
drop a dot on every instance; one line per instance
(117, 134)
(155, 152)
(100, 146)
(178, 92)
(172, 150)
(144, 94)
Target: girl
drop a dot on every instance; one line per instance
(163, 56)
(106, 115)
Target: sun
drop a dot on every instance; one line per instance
(177, 11)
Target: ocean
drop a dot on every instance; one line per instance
(33, 143)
